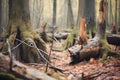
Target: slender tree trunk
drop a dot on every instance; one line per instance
(0, 17)
(111, 11)
(19, 28)
(54, 12)
(116, 14)
(119, 16)
(107, 14)
(70, 19)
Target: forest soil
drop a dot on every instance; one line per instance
(110, 69)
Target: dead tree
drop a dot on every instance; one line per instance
(98, 46)
(83, 33)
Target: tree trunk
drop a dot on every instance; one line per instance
(0, 17)
(19, 28)
(20, 71)
(119, 14)
(70, 19)
(116, 14)
(98, 46)
(54, 12)
(86, 9)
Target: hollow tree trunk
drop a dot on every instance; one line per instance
(19, 27)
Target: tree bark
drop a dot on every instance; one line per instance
(0, 17)
(98, 46)
(70, 19)
(116, 14)
(21, 71)
(19, 27)
(86, 9)
(54, 12)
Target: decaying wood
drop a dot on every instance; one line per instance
(84, 54)
(114, 39)
(96, 47)
(43, 26)
(113, 31)
(23, 70)
(74, 49)
(60, 35)
(30, 73)
(92, 76)
(83, 34)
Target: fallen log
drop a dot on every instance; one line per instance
(114, 39)
(78, 54)
(98, 46)
(60, 35)
(22, 70)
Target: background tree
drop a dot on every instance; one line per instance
(54, 12)
(98, 46)
(86, 9)
(116, 14)
(19, 29)
(119, 13)
(0, 17)
(3, 15)
(36, 12)
(70, 18)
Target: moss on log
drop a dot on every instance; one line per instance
(70, 41)
(7, 76)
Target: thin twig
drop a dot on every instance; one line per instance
(50, 48)
(51, 65)
(10, 54)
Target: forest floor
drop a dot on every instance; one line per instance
(85, 70)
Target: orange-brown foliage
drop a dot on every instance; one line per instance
(83, 34)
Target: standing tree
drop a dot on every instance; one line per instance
(119, 13)
(116, 14)
(19, 29)
(70, 19)
(54, 12)
(3, 15)
(86, 9)
(0, 17)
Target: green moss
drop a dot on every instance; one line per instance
(70, 41)
(106, 50)
(26, 32)
(6, 76)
